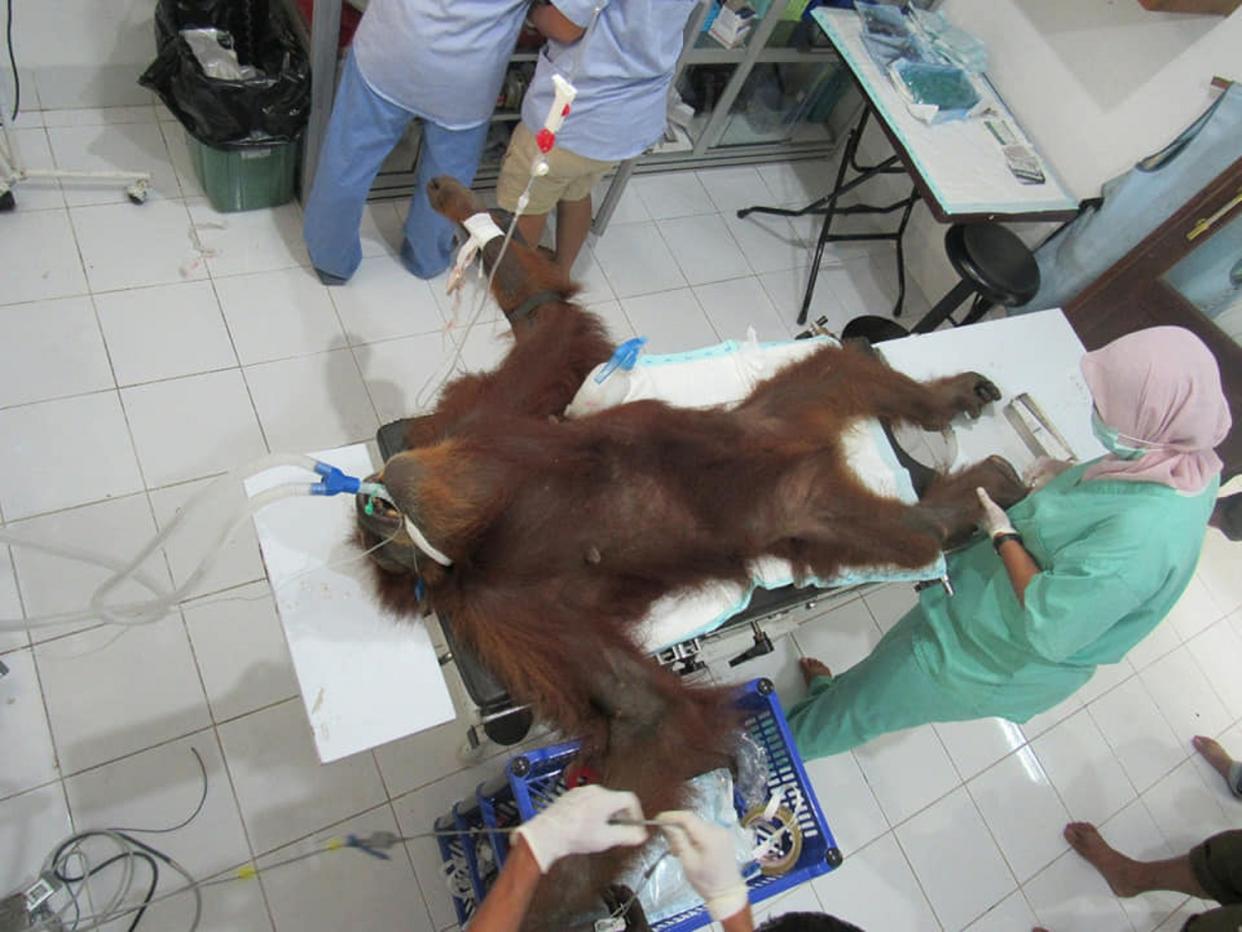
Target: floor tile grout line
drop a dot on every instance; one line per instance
(60, 188)
(4, 409)
(254, 408)
(265, 707)
(996, 841)
(47, 718)
(34, 788)
(241, 818)
(681, 266)
(366, 387)
(987, 826)
(1210, 681)
(103, 126)
(918, 881)
(1142, 797)
(742, 248)
(418, 882)
(11, 557)
(1194, 661)
(1185, 756)
(163, 742)
(120, 400)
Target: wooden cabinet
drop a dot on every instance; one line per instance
(1167, 279)
(1218, 7)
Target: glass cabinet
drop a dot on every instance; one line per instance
(1210, 277)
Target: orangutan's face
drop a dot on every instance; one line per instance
(378, 521)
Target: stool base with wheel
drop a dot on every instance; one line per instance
(827, 206)
(995, 266)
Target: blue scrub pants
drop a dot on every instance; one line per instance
(362, 131)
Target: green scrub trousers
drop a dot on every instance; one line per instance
(1114, 556)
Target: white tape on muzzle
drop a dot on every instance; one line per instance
(421, 542)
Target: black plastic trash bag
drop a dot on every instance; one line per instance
(231, 114)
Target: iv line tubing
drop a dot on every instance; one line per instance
(435, 380)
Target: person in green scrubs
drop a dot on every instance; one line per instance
(1072, 577)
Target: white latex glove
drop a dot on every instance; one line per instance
(994, 520)
(577, 823)
(707, 856)
(1043, 471)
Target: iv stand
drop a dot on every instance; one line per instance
(13, 170)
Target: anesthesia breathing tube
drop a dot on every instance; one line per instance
(105, 608)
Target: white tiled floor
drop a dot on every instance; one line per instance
(143, 350)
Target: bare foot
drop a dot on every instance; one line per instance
(1214, 754)
(1113, 866)
(812, 669)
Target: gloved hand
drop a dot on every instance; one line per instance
(994, 520)
(707, 856)
(1043, 471)
(577, 823)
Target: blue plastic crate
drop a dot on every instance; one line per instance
(535, 779)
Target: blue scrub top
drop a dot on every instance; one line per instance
(439, 59)
(622, 68)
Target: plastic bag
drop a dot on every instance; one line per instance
(934, 93)
(750, 760)
(215, 53)
(954, 45)
(269, 108)
(887, 34)
(667, 892)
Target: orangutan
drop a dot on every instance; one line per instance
(562, 533)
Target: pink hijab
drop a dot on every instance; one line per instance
(1160, 386)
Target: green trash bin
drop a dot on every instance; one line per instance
(249, 178)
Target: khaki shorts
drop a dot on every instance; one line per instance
(570, 177)
(1217, 865)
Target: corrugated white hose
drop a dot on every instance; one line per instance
(163, 601)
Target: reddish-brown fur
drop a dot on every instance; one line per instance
(563, 533)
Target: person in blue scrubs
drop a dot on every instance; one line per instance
(441, 61)
(620, 55)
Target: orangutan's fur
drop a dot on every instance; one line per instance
(564, 532)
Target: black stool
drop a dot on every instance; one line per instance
(873, 329)
(996, 267)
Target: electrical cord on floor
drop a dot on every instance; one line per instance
(17, 79)
(91, 872)
(202, 801)
(131, 850)
(69, 869)
(375, 844)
